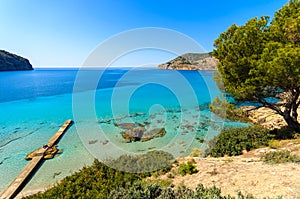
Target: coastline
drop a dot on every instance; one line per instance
(30, 192)
(245, 173)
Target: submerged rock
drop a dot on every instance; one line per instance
(107, 121)
(93, 141)
(134, 131)
(154, 133)
(138, 133)
(137, 114)
(126, 126)
(104, 142)
(133, 135)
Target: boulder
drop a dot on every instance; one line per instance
(133, 135)
(154, 133)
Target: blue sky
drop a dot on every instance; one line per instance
(56, 33)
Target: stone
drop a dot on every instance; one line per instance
(262, 151)
(93, 141)
(244, 151)
(133, 135)
(126, 126)
(154, 133)
(140, 134)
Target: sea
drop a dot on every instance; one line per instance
(103, 103)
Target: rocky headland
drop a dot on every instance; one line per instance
(12, 62)
(191, 61)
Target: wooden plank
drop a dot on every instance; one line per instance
(13, 189)
(59, 133)
(18, 182)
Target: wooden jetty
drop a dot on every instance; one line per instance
(12, 190)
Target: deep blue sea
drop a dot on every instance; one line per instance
(34, 104)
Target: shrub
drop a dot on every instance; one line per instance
(188, 168)
(233, 141)
(157, 181)
(279, 157)
(136, 191)
(97, 180)
(275, 144)
(221, 107)
(196, 152)
(159, 161)
(181, 192)
(284, 133)
(224, 109)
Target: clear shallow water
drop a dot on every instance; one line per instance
(33, 105)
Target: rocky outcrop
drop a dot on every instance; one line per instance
(12, 62)
(191, 61)
(265, 117)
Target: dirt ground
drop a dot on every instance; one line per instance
(245, 173)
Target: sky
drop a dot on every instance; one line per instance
(62, 33)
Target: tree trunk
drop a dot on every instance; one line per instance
(294, 113)
(289, 114)
(291, 121)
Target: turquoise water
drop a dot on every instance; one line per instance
(34, 104)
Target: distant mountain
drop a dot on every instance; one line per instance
(191, 61)
(12, 62)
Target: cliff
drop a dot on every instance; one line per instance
(191, 61)
(12, 62)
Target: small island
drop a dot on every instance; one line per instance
(191, 61)
(12, 62)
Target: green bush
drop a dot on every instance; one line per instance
(285, 133)
(97, 180)
(188, 168)
(159, 161)
(196, 152)
(224, 109)
(94, 181)
(279, 157)
(182, 192)
(136, 191)
(233, 141)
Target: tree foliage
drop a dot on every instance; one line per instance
(261, 59)
(224, 109)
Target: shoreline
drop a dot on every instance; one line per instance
(31, 192)
(246, 173)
